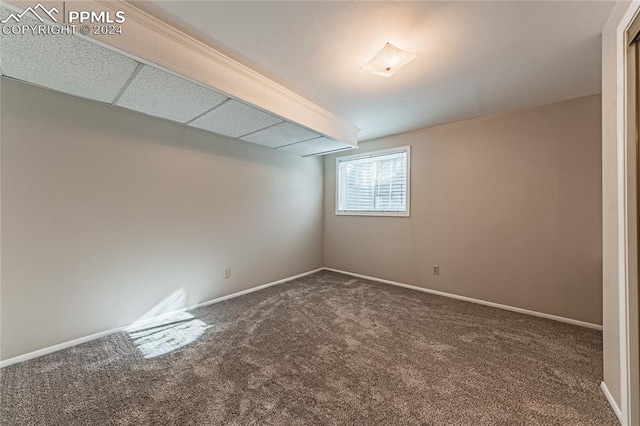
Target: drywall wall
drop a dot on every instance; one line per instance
(105, 212)
(509, 207)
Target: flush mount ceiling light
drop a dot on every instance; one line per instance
(389, 60)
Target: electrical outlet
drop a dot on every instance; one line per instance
(227, 273)
(436, 270)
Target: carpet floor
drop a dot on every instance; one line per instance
(324, 349)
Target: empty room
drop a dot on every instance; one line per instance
(319, 212)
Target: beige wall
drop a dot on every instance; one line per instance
(105, 212)
(509, 207)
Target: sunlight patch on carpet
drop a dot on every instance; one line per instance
(166, 334)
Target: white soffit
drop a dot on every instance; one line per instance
(65, 63)
(235, 119)
(280, 135)
(164, 95)
(315, 146)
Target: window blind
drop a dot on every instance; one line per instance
(373, 183)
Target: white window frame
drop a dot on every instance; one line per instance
(406, 213)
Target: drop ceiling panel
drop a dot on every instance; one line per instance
(280, 134)
(235, 119)
(316, 146)
(65, 63)
(164, 95)
(76, 66)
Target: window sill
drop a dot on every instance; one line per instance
(370, 213)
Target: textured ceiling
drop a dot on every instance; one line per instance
(476, 58)
(73, 65)
(158, 93)
(66, 64)
(280, 135)
(235, 119)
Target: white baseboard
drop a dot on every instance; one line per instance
(611, 401)
(64, 345)
(252, 289)
(85, 339)
(59, 346)
(472, 300)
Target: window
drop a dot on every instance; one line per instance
(374, 184)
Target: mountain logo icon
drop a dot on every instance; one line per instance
(47, 13)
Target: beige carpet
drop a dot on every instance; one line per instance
(324, 349)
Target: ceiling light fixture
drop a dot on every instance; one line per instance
(389, 60)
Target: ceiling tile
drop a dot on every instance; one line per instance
(235, 119)
(316, 146)
(65, 63)
(164, 95)
(280, 134)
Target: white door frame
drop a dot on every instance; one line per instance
(627, 305)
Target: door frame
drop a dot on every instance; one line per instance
(627, 231)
